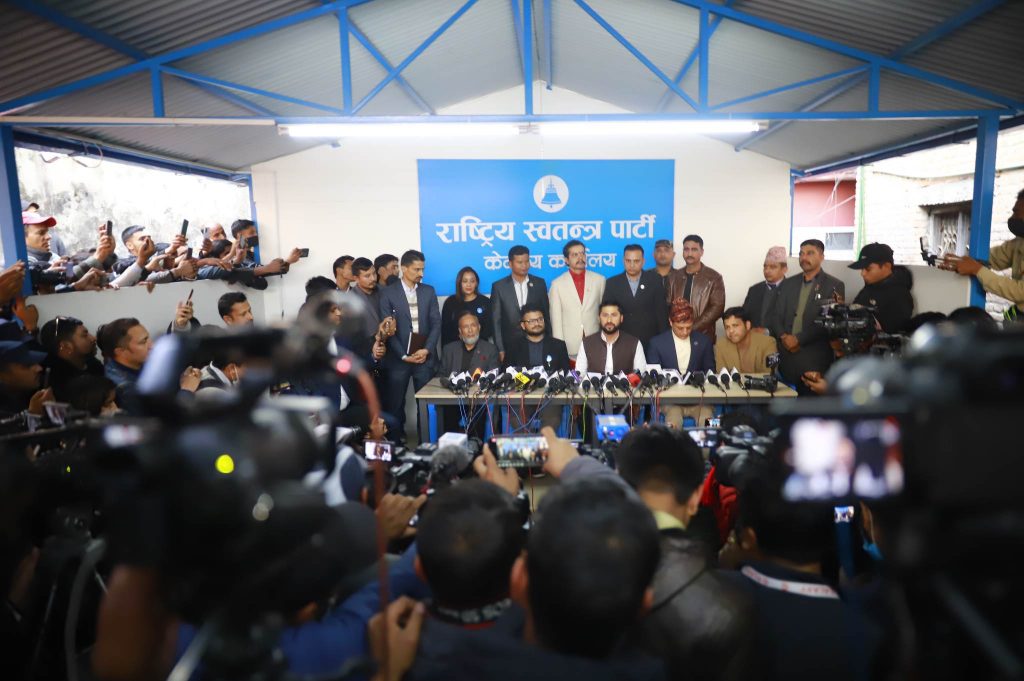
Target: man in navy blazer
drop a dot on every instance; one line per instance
(679, 346)
(414, 307)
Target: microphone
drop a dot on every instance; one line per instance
(634, 380)
(623, 384)
(609, 384)
(447, 383)
(447, 464)
(736, 378)
(672, 377)
(697, 380)
(712, 379)
(725, 379)
(477, 373)
(585, 385)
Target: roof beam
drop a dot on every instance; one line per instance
(549, 52)
(344, 29)
(209, 80)
(118, 45)
(383, 61)
(690, 60)
(638, 54)
(517, 26)
(855, 53)
(920, 42)
(179, 54)
(395, 72)
(528, 57)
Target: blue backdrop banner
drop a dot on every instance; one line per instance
(472, 212)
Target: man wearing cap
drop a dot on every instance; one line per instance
(156, 269)
(56, 243)
(72, 352)
(664, 257)
(1007, 255)
(20, 373)
(40, 255)
(700, 285)
(886, 289)
(760, 300)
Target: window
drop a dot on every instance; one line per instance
(949, 227)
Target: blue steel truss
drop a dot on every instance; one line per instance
(985, 121)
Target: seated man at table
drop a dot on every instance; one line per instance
(685, 350)
(741, 348)
(470, 354)
(535, 348)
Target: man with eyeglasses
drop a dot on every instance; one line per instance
(71, 352)
(535, 348)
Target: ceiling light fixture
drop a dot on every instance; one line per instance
(402, 130)
(642, 127)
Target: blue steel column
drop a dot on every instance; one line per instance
(12, 232)
(981, 206)
(528, 57)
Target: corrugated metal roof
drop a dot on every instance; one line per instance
(479, 55)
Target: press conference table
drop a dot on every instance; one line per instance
(432, 394)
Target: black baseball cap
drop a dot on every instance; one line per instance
(872, 253)
(15, 348)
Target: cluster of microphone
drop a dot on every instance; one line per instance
(525, 381)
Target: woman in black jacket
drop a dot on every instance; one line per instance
(467, 298)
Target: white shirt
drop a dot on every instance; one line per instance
(639, 359)
(682, 352)
(521, 289)
(414, 305)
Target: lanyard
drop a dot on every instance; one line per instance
(808, 589)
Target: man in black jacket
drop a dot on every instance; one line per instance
(760, 300)
(71, 352)
(886, 288)
(511, 293)
(641, 295)
(804, 344)
(698, 623)
(535, 348)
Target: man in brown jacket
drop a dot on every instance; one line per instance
(700, 285)
(741, 348)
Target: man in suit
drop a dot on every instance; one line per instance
(683, 349)
(470, 354)
(511, 293)
(641, 295)
(760, 300)
(414, 307)
(535, 348)
(742, 347)
(575, 298)
(700, 285)
(805, 346)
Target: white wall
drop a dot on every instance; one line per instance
(934, 290)
(361, 197)
(155, 310)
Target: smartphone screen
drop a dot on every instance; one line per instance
(843, 458)
(704, 437)
(303, 252)
(520, 451)
(377, 450)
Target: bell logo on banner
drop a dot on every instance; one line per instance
(551, 193)
(473, 211)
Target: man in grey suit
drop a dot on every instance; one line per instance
(509, 294)
(470, 354)
(413, 305)
(804, 344)
(640, 295)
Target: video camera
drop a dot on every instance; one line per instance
(852, 330)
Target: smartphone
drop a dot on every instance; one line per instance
(46, 378)
(303, 252)
(843, 458)
(377, 450)
(184, 227)
(189, 299)
(843, 514)
(110, 228)
(707, 438)
(713, 422)
(188, 253)
(69, 270)
(520, 451)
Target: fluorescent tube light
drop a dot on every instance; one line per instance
(402, 130)
(663, 127)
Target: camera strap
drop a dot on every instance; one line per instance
(809, 589)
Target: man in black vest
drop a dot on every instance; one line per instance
(640, 294)
(535, 348)
(760, 300)
(610, 350)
